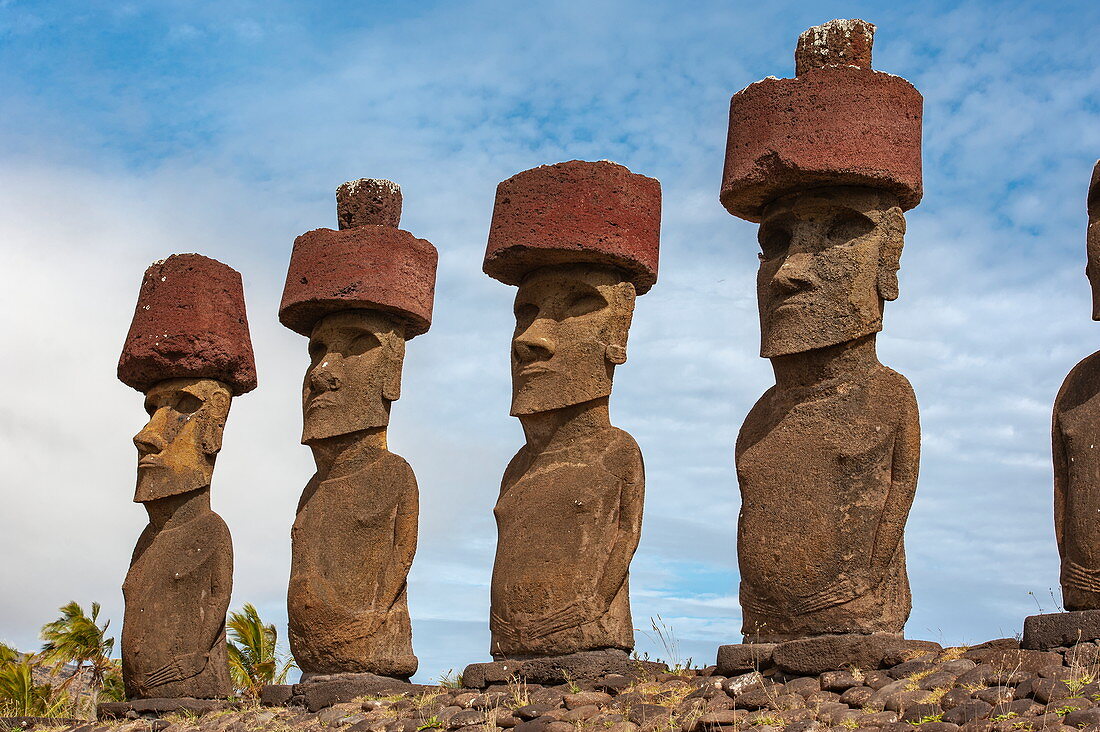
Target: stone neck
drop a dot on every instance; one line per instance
(558, 427)
(173, 511)
(341, 455)
(821, 368)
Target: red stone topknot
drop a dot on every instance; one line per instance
(368, 264)
(190, 322)
(576, 212)
(838, 123)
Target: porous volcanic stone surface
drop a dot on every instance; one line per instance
(368, 267)
(368, 202)
(189, 322)
(895, 699)
(829, 126)
(836, 43)
(1052, 630)
(576, 212)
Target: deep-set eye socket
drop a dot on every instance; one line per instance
(848, 226)
(774, 241)
(525, 313)
(582, 303)
(316, 349)
(360, 344)
(187, 403)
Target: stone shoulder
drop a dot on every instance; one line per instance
(1081, 383)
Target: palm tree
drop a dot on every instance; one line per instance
(254, 658)
(77, 638)
(19, 695)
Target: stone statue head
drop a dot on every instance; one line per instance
(1092, 269)
(829, 259)
(354, 373)
(178, 446)
(571, 329)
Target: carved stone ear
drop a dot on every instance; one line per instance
(622, 307)
(893, 226)
(616, 354)
(393, 344)
(213, 418)
(391, 384)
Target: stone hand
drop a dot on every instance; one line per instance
(838, 593)
(574, 614)
(179, 669)
(503, 628)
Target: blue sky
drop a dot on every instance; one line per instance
(131, 131)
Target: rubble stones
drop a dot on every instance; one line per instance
(656, 702)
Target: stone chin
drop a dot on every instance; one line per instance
(335, 419)
(798, 335)
(546, 391)
(158, 481)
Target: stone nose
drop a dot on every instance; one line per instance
(326, 376)
(533, 344)
(794, 274)
(150, 441)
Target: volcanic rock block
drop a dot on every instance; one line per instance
(367, 267)
(322, 691)
(189, 322)
(160, 707)
(813, 656)
(1060, 630)
(741, 657)
(576, 212)
(368, 202)
(553, 670)
(836, 43)
(834, 124)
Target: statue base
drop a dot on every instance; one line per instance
(317, 691)
(1060, 630)
(818, 654)
(606, 666)
(154, 708)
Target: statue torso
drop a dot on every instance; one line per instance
(177, 592)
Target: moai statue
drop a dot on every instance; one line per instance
(827, 459)
(1075, 433)
(189, 351)
(358, 294)
(580, 240)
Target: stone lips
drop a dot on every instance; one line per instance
(576, 212)
(369, 267)
(189, 322)
(827, 127)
